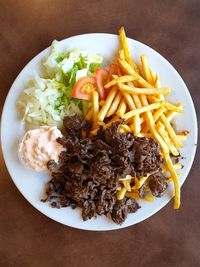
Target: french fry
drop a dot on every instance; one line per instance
(121, 54)
(178, 166)
(171, 114)
(151, 125)
(122, 108)
(140, 182)
(122, 79)
(145, 67)
(156, 116)
(176, 108)
(95, 108)
(126, 128)
(129, 100)
(157, 82)
(153, 77)
(94, 132)
(127, 185)
(121, 193)
(114, 105)
(108, 124)
(171, 132)
(134, 195)
(136, 126)
(124, 45)
(128, 177)
(182, 137)
(161, 130)
(141, 110)
(106, 106)
(143, 91)
(136, 100)
(158, 113)
(130, 71)
(121, 131)
(89, 115)
(175, 179)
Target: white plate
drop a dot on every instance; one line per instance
(31, 184)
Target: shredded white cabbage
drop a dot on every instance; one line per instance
(48, 100)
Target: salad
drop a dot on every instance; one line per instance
(48, 99)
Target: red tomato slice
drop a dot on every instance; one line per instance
(114, 69)
(101, 76)
(78, 89)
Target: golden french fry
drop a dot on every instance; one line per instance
(171, 132)
(156, 116)
(145, 67)
(136, 100)
(129, 100)
(157, 82)
(182, 137)
(121, 79)
(178, 166)
(154, 99)
(176, 108)
(95, 108)
(134, 195)
(144, 91)
(114, 105)
(125, 128)
(140, 182)
(136, 125)
(121, 193)
(127, 185)
(89, 115)
(151, 125)
(108, 124)
(121, 54)
(130, 71)
(121, 131)
(141, 110)
(175, 179)
(128, 177)
(161, 130)
(106, 106)
(153, 77)
(122, 108)
(94, 132)
(158, 112)
(124, 45)
(171, 114)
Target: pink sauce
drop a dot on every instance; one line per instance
(38, 146)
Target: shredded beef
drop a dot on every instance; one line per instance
(88, 170)
(157, 184)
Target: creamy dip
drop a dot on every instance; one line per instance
(38, 146)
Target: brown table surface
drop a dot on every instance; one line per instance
(169, 238)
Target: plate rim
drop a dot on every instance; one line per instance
(39, 55)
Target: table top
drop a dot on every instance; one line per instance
(169, 238)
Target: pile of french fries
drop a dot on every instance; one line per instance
(137, 97)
